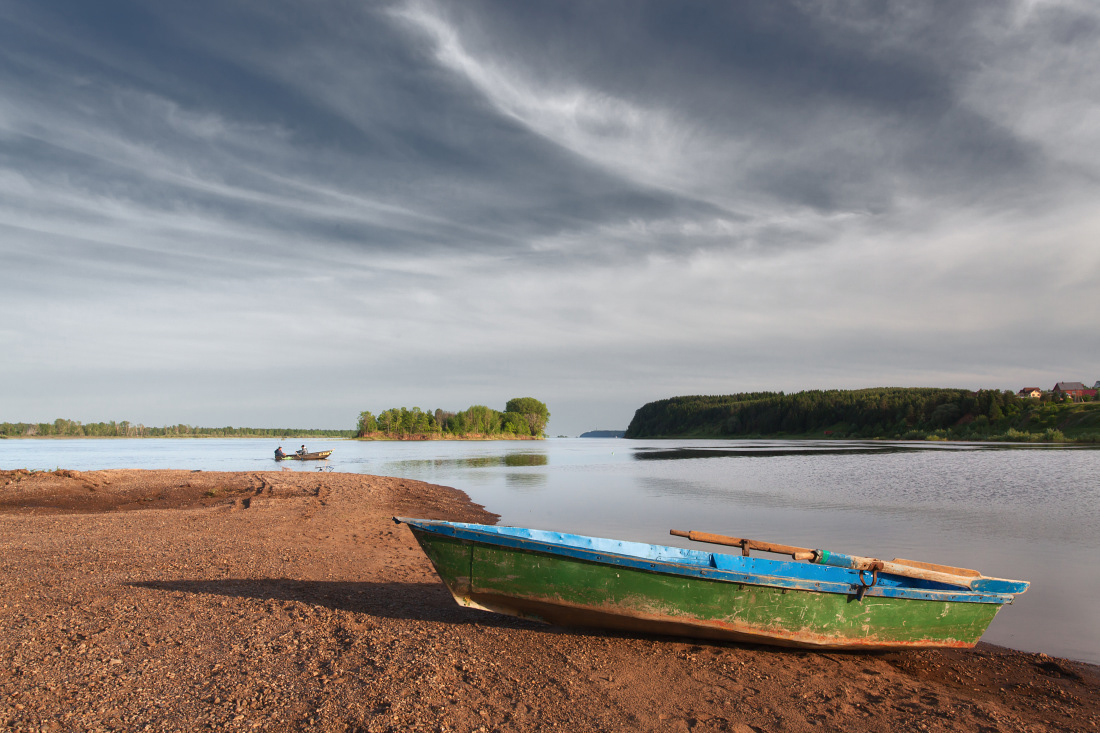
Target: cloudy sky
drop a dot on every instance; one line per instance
(283, 213)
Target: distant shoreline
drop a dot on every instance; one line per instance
(1088, 441)
(174, 437)
(511, 438)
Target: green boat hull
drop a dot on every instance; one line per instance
(570, 591)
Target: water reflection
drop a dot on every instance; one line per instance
(525, 459)
(525, 482)
(477, 468)
(510, 460)
(672, 454)
(761, 449)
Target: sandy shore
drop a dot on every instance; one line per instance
(177, 600)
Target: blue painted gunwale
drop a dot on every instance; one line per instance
(699, 564)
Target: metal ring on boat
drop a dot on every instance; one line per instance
(874, 578)
(864, 585)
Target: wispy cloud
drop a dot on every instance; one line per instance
(644, 143)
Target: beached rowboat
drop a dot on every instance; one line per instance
(305, 456)
(835, 601)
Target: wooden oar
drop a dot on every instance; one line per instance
(836, 559)
(798, 553)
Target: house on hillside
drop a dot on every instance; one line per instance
(1097, 385)
(1032, 392)
(1075, 390)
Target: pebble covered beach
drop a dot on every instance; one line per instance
(278, 600)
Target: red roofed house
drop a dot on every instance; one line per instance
(1076, 390)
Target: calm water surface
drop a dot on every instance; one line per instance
(1020, 512)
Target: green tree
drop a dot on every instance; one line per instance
(367, 423)
(536, 413)
(515, 423)
(482, 420)
(456, 425)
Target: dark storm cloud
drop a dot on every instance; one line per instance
(257, 115)
(261, 120)
(776, 71)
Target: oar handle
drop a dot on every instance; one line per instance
(855, 562)
(852, 562)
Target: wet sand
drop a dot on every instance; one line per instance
(179, 600)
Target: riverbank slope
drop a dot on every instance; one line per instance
(290, 601)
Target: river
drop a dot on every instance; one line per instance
(1026, 512)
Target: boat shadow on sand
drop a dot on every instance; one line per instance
(407, 601)
(396, 600)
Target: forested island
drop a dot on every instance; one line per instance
(887, 413)
(524, 418)
(62, 428)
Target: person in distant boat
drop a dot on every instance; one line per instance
(302, 451)
(279, 454)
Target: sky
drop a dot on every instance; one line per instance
(283, 213)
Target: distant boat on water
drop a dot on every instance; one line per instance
(320, 455)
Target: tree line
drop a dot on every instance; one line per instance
(125, 429)
(523, 417)
(896, 413)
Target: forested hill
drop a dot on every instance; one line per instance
(895, 413)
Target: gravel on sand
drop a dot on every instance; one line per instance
(283, 601)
